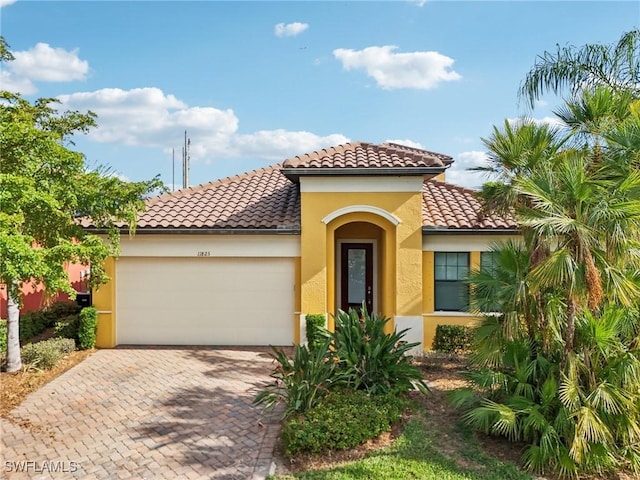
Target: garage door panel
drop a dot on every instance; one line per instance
(210, 301)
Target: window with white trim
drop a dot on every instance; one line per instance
(489, 261)
(451, 290)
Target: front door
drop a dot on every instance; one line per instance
(356, 276)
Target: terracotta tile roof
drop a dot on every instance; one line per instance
(448, 206)
(261, 199)
(266, 200)
(369, 156)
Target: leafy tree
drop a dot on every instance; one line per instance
(45, 187)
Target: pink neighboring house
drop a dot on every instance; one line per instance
(34, 299)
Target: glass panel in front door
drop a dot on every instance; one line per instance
(356, 276)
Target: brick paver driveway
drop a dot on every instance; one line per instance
(165, 413)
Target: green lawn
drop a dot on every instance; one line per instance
(415, 455)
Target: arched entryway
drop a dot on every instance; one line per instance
(361, 257)
(358, 261)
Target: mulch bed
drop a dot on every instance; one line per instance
(14, 387)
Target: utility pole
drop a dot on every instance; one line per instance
(185, 161)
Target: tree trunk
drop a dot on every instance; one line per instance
(14, 360)
(571, 328)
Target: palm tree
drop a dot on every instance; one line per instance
(583, 217)
(615, 66)
(559, 366)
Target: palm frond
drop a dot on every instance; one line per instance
(578, 67)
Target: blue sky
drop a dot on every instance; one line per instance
(254, 83)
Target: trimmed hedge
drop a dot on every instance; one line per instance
(342, 420)
(36, 321)
(31, 324)
(87, 326)
(61, 309)
(67, 327)
(3, 335)
(47, 353)
(453, 339)
(315, 329)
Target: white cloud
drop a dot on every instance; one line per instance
(278, 145)
(551, 121)
(149, 117)
(4, 3)
(46, 64)
(13, 83)
(290, 29)
(42, 63)
(458, 173)
(420, 70)
(407, 143)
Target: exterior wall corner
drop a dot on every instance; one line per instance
(104, 301)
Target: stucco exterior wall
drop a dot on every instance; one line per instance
(143, 245)
(104, 300)
(474, 244)
(400, 277)
(404, 256)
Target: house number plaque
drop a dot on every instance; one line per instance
(204, 254)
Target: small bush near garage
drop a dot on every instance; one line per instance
(3, 335)
(87, 325)
(453, 339)
(31, 324)
(316, 333)
(58, 310)
(343, 419)
(67, 327)
(46, 354)
(37, 321)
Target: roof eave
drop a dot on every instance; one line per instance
(205, 231)
(294, 174)
(430, 230)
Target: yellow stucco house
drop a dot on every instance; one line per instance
(241, 260)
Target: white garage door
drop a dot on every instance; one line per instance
(205, 301)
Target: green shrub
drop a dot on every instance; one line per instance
(87, 326)
(67, 327)
(359, 355)
(300, 382)
(36, 321)
(31, 324)
(62, 309)
(47, 353)
(453, 339)
(371, 359)
(343, 419)
(316, 333)
(3, 335)
(578, 417)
